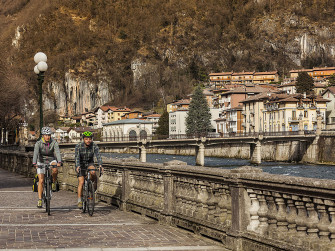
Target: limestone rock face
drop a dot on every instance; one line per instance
(75, 95)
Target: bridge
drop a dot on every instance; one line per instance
(242, 209)
(294, 145)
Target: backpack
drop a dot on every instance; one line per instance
(35, 183)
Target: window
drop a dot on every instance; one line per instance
(333, 119)
(305, 114)
(294, 114)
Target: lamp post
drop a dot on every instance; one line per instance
(41, 66)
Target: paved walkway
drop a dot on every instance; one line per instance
(24, 226)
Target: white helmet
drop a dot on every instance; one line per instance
(46, 131)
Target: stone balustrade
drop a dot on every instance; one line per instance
(243, 208)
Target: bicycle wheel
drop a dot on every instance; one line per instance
(90, 197)
(48, 196)
(84, 198)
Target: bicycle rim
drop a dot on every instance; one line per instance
(48, 196)
(90, 198)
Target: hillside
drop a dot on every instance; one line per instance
(154, 50)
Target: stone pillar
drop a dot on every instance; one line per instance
(200, 155)
(318, 124)
(125, 189)
(301, 127)
(143, 150)
(240, 209)
(255, 153)
(143, 154)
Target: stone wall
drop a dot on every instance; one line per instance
(243, 208)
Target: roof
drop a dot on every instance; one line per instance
(243, 73)
(153, 116)
(221, 73)
(105, 108)
(323, 68)
(331, 89)
(242, 89)
(128, 121)
(266, 73)
(76, 117)
(301, 70)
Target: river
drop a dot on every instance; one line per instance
(292, 169)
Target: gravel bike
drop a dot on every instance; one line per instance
(88, 192)
(47, 191)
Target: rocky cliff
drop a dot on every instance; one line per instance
(141, 53)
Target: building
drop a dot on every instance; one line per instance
(177, 122)
(329, 94)
(127, 129)
(132, 115)
(154, 118)
(75, 133)
(290, 88)
(101, 114)
(276, 112)
(62, 134)
(219, 80)
(242, 78)
(117, 113)
(265, 77)
(180, 104)
(318, 74)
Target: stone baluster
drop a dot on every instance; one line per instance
(253, 211)
(221, 210)
(178, 198)
(192, 199)
(331, 227)
(312, 219)
(262, 213)
(324, 222)
(272, 212)
(204, 197)
(291, 217)
(228, 206)
(301, 221)
(211, 202)
(281, 216)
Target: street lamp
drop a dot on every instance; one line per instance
(40, 59)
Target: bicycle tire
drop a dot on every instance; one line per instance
(48, 196)
(84, 198)
(90, 197)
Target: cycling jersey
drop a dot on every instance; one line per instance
(84, 154)
(46, 152)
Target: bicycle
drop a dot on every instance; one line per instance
(47, 191)
(88, 192)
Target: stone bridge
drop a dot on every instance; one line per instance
(244, 208)
(287, 146)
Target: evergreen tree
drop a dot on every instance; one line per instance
(198, 116)
(331, 80)
(163, 125)
(305, 83)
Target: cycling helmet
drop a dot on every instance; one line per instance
(46, 131)
(87, 134)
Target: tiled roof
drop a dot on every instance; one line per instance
(221, 73)
(301, 70)
(243, 73)
(266, 73)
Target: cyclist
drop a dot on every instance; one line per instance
(84, 153)
(46, 151)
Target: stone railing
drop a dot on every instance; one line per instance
(243, 208)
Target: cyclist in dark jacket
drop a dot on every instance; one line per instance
(84, 153)
(46, 151)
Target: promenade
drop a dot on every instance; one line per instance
(24, 226)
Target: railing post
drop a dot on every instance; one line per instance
(125, 189)
(200, 152)
(169, 198)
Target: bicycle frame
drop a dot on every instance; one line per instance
(47, 191)
(88, 192)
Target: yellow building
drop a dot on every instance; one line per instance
(272, 112)
(116, 113)
(265, 77)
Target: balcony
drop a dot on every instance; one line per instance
(293, 119)
(252, 111)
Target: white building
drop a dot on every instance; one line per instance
(330, 114)
(61, 134)
(127, 129)
(101, 114)
(177, 122)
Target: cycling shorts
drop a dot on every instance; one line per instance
(42, 170)
(82, 171)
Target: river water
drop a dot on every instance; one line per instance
(301, 170)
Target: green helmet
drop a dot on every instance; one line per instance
(87, 134)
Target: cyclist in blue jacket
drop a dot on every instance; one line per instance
(46, 151)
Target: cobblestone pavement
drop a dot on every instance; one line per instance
(24, 226)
